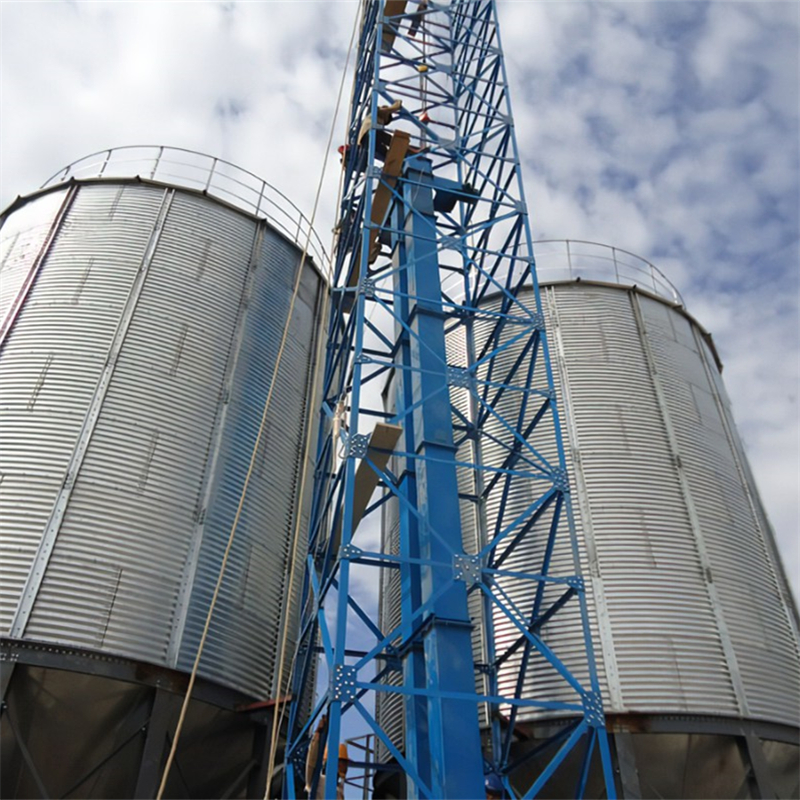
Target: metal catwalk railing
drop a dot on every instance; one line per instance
(207, 174)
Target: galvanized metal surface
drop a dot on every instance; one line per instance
(133, 383)
(692, 614)
(688, 606)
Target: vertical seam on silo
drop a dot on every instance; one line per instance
(19, 301)
(314, 376)
(759, 517)
(144, 476)
(201, 267)
(10, 250)
(115, 204)
(481, 525)
(176, 360)
(694, 522)
(51, 530)
(598, 589)
(217, 434)
(82, 282)
(37, 389)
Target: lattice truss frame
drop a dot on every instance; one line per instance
(446, 308)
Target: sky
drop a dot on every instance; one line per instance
(669, 129)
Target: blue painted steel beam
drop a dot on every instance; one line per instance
(455, 275)
(452, 725)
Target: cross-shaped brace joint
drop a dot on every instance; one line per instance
(593, 709)
(343, 683)
(561, 480)
(458, 376)
(350, 551)
(357, 445)
(467, 568)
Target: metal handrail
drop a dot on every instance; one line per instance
(213, 176)
(578, 258)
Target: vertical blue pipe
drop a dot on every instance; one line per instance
(452, 725)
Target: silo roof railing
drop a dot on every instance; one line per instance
(212, 176)
(569, 259)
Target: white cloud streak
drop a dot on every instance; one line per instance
(666, 128)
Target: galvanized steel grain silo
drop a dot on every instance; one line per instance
(695, 630)
(144, 297)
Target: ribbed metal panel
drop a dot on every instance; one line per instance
(564, 634)
(134, 381)
(21, 240)
(739, 565)
(685, 589)
(252, 600)
(52, 360)
(688, 608)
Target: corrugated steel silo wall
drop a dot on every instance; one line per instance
(133, 382)
(690, 607)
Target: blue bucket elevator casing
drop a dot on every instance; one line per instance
(453, 224)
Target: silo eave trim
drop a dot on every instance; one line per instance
(679, 307)
(22, 200)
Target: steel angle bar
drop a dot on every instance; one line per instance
(462, 313)
(368, 379)
(481, 288)
(322, 623)
(510, 609)
(530, 576)
(389, 745)
(514, 455)
(506, 383)
(514, 339)
(490, 224)
(534, 626)
(380, 502)
(562, 753)
(536, 623)
(541, 620)
(399, 417)
(407, 505)
(549, 705)
(540, 646)
(587, 763)
(382, 336)
(507, 261)
(527, 518)
(312, 718)
(363, 616)
(379, 675)
(412, 334)
(544, 465)
(418, 614)
(563, 734)
(528, 525)
(532, 476)
(548, 552)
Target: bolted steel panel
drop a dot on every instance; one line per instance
(689, 611)
(51, 362)
(134, 380)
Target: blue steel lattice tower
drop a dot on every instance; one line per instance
(433, 224)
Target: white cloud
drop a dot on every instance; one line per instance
(668, 129)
